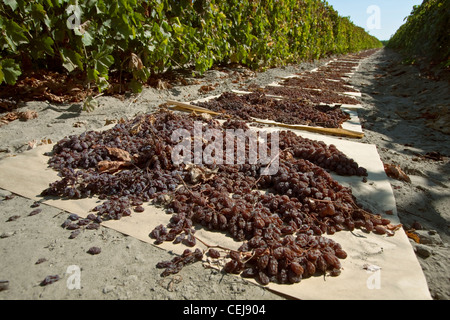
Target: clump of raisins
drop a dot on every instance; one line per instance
(280, 229)
(289, 111)
(177, 263)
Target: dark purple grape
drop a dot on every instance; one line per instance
(249, 273)
(263, 278)
(49, 280)
(213, 253)
(74, 234)
(13, 218)
(94, 250)
(35, 212)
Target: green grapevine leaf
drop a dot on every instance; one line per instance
(9, 71)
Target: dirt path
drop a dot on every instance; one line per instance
(125, 269)
(407, 115)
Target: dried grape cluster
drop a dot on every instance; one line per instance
(176, 264)
(311, 96)
(325, 85)
(314, 81)
(257, 105)
(289, 261)
(279, 218)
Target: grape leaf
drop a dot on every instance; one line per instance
(9, 71)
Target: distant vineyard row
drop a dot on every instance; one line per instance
(426, 33)
(135, 38)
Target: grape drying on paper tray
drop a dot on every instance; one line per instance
(280, 218)
(306, 95)
(257, 105)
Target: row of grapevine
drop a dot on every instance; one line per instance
(426, 33)
(135, 38)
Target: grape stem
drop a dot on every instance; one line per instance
(212, 246)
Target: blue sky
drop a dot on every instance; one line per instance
(381, 18)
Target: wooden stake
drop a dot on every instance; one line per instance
(190, 107)
(330, 131)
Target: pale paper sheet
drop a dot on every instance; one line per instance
(400, 277)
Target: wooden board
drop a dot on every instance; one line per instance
(183, 106)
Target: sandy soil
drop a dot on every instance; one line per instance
(407, 116)
(396, 97)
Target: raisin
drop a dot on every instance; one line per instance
(35, 212)
(272, 267)
(213, 253)
(296, 268)
(263, 278)
(49, 280)
(263, 261)
(94, 250)
(249, 273)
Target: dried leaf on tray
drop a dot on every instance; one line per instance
(199, 174)
(395, 172)
(394, 227)
(111, 166)
(119, 153)
(391, 229)
(413, 236)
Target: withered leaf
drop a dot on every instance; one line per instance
(206, 88)
(163, 85)
(24, 116)
(394, 227)
(79, 124)
(35, 143)
(199, 174)
(395, 172)
(136, 128)
(120, 154)
(10, 116)
(27, 115)
(135, 62)
(413, 236)
(111, 166)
